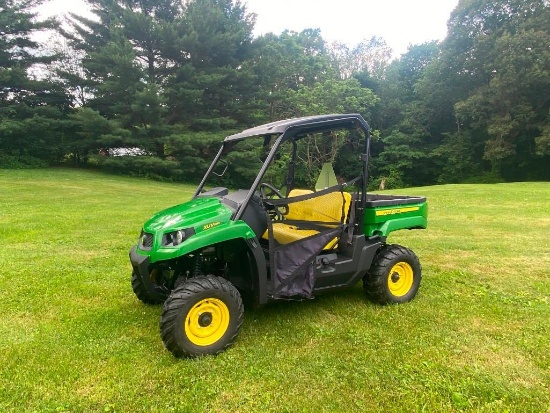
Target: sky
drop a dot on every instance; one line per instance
(399, 22)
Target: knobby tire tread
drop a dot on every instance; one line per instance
(187, 292)
(375, 281)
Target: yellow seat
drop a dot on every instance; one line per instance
(324, 208)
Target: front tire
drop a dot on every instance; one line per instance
(202, 316)
(144, 294)
(394, 276)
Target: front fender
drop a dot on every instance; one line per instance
(205, 238)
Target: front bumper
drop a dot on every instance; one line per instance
(139, 262)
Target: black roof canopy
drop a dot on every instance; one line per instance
(302, 125)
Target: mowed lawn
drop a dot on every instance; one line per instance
(73, 337)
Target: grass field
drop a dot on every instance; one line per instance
(74, 338)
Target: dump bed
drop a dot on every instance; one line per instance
(386, 213)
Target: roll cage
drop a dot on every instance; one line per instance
(294, 130)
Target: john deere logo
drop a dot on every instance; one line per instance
(394, 211)
(211, 225)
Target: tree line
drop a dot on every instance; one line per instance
(172, 78)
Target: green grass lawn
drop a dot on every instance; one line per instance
(74, 338)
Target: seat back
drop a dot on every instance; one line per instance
(324, 208)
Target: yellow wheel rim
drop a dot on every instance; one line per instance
(207, 322)
(400, 279)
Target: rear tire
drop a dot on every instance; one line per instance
(202, 316)
(394, 275)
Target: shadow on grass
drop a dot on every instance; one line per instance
(350, 296)
(128, 328)
(288, 313)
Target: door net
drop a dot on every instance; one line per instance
(311, 222)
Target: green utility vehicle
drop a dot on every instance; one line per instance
(277, 238)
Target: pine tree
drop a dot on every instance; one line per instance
(32, 110)
(128, 53)
(211, 87)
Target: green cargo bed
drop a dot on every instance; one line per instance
(386, 213)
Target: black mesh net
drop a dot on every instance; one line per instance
(313, 222)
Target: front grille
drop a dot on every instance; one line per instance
(146, 241)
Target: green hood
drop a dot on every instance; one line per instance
(196, 214)
(206, 222)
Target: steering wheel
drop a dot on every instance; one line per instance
(268, 191)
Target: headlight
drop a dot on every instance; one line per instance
(172, 239)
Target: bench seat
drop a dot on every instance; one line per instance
(325, 208)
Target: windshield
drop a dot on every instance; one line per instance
(320, 159)
(239, 164)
